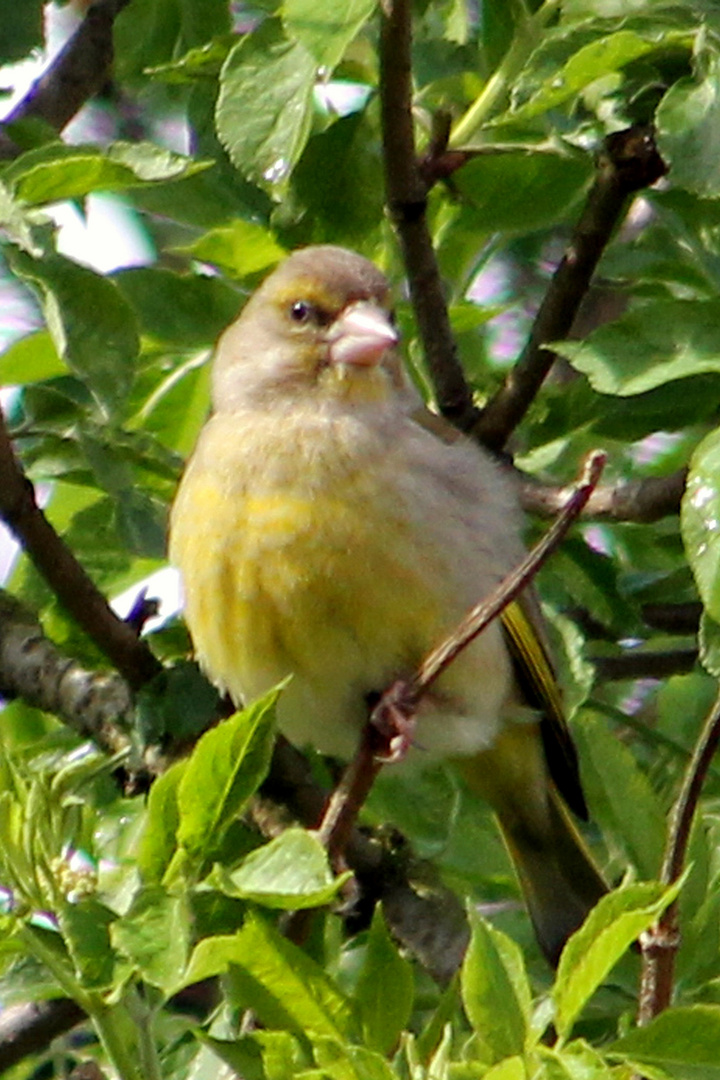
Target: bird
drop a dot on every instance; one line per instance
(324, 530)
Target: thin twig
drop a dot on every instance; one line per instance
(636, 664)
(482, 614)
(406, 194)
(683, 618)
(628, 163)
(388, 732)
(70, 583)
(660, 945)
(639, 501)
(350, 794)
(422, 913)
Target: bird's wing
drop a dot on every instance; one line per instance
(536, 677)
(526, 641)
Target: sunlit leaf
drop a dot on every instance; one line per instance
(265, 103)
(326, 27)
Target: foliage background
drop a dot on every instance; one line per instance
(235, 133)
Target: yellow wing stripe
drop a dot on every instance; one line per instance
(529, 653)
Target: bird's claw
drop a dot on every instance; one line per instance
(393, 721)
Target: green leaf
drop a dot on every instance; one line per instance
(512, 1068)
(178, 705)
(31, 359)
(57, 171)
(240, 249)
(709, 642)
(341, 1061)
(185, 310)
(592, 951)
(684, 1041)
(435, 1030)
(344, 204)
(177, 407)
(519, 192)
(264, 107)
(495, 991)
(289, 872)
(651, 345)
(620, 795)
(18, 225)
(688, 128)
(204, 61)
(92, 326)
(158, 843)
(283, 986)
(154, 32)
(154, 935)
(22, 31)
(384, 993)
(223, 771)
(700, 521)
(261, 1055)
(599, 58)
(85, 928)
(576, 1061)
(326, 27)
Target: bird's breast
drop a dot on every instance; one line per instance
(312, 563)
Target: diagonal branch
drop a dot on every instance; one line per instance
(79, 71)
(387, 735)
(628, 163)
(63, 573)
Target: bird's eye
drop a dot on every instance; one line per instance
(301, 311)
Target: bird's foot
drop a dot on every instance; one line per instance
(393, 722)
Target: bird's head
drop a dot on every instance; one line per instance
(321, 324)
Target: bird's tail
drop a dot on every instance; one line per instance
(559, 880)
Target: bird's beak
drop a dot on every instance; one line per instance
(361, 335)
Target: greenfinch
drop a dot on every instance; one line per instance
(321, 531)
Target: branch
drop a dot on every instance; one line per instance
(660, 945)
(94, 704)
(628, 163)
(639, 501)
(673, 618)
(636, 664)
(406, 194)
(78, 72)
(422, 913)
(61, 570)
(29, 1029)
